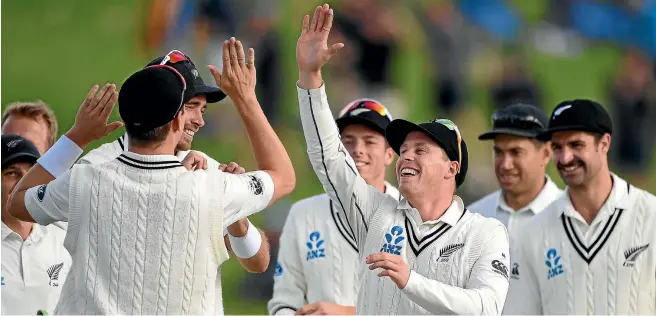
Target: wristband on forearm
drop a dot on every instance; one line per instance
(60, 157)
(248, 245)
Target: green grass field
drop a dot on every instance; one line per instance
(55, 51)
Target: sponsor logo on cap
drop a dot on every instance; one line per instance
(561, 109)
(13, 143)
(195, 73)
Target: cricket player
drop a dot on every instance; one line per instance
(520, 162)
(317, 269)
(33, 120)
(248, 243)
(592, 250)
(144, 233)
(425, 254)
(34, 261)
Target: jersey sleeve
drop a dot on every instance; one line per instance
(290, 287)
(333, 164)
(486, 290)
(48, 203)
(245, 194)
(524, 292)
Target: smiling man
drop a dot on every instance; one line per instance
(520, 162)
(592, 250)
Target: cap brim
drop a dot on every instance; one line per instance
(398, 130)
(349, 120)
(546, 135)
(213, 94)
(18, 157)
(507, 131)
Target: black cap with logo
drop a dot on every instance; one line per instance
(522, 120)
(368, 112)
(17, 149)
(442, 131)
(578, 115)
(183, 64)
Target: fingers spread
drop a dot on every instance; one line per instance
(226, 57)
(108, 106)
(251, 58)
(105, 101)
(216, 74)
(96, 99)
(241, 58)
(315, 17)
(322, 17)
(234, 62)
(91, 95)
(335, 48)
(306, 24)
(328, 22)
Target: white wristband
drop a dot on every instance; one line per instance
(247, 246)
(60, 157)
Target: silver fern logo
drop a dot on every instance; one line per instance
(447, 251)
(53, 274)
(632, 253)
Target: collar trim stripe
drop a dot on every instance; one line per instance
(589, 253)
(148, 165)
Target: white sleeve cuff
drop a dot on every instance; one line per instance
(248, 245)
(60, 157)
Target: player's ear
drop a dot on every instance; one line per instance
(178, 121)
(389, 155)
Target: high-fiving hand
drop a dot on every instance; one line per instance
(312, 50)
(91, 119)
(238, 77)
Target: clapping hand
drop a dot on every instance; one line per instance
(91, 119)
(238, 77)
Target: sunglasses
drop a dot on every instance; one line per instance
(452, 126)
(175, 56)
(366, 104)
(527, 122)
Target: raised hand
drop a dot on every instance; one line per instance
(312, 50)
(238, 77)
(91, 119)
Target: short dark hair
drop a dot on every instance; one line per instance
(155, 135)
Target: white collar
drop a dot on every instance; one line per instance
(35, 235)
(451, 216)
(541, 201)
(618, 198)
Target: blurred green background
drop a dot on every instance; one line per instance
(56, 50)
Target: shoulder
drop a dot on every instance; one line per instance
(315, 203)
(211, 162)
(484, 205)
(479, 223)
(104, 153)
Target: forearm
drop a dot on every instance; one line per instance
(260, 261)
(268, 150)
(250, 245)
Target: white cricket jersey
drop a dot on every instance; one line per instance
(458, 262)
(33, 270)
(494, 205)
(605, 268)
(145, 234)
(317, 258)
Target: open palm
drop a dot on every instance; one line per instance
(312, 50)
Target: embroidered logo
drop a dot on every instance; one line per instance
(447, 251)
(41, 192)
(561, 109)
(631, 255)
(278, 271)
(256, 185)
(53, 274)
(514, 272)
(392, 240)
(500, 268)
(315, 246)
(14, 143)
(3, 281)
(553, 263)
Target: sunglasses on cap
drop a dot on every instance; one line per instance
(526, 122)
(452, 126)
(367, 104)
(175, 56)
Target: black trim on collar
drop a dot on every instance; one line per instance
(120, 143)
(418, 245)
(148, 164)
(589, 253)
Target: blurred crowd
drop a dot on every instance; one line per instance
(456, 34)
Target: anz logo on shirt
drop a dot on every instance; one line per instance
(278, 271)
(553, 263)
(393, 241)
(315, 246)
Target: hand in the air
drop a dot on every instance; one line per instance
(238, 77)
(232, 167)
(325, 308)
(194, 161)
(91, 119)
(312, 50)
(393, 267)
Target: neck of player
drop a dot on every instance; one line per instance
(520, 200)
(19, 227)
(431, 205)
(164, 148)
(588, 199)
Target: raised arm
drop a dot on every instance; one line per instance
(331, 162)
(238, 81)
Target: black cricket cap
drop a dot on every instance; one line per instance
(17, 149)
(151, 97)
(524, 120)
(368, 112)
(443, 132)
(578, 115)
(188, 70)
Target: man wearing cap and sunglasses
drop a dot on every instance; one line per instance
(592, 250)
(34, 261)
(317, 269)
(520, 162)
(244, 239)
(426, 254)
(145, 234)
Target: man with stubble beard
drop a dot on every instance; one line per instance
(591, 251)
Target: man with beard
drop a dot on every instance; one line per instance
(520, 162)
(248, 243)
(592, 250)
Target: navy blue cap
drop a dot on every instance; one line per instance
(17, 149)
(578, 115)
(521, 119)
